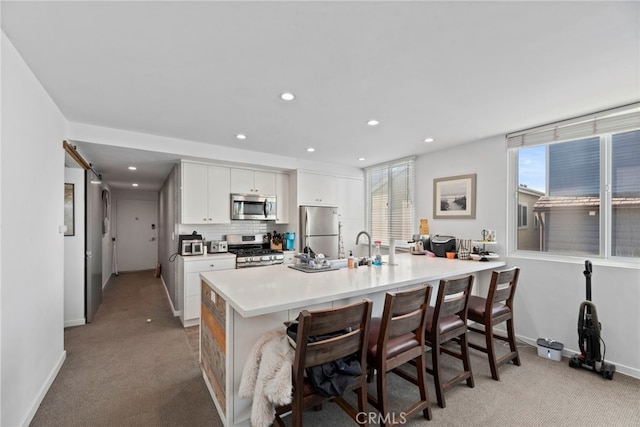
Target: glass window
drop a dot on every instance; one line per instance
(565, 186)
(522, 215)
(389, 199)
(625, 194)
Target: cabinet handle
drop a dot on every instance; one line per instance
(212, 265)
(204, 219)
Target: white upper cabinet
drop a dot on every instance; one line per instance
(282, 198)
(205, 194)
(195, 197)
(351, 198)
(317, 189)
(245, 181)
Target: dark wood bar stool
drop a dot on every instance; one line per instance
(447, 322)
(396, 338)
(493, 310)
(350, 326)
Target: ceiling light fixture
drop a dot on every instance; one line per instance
(361, 159)
(134, 185)
(429, 139)
(373, 122)
(287, 96)
(241, 136)
(133, 168)
(311, 150)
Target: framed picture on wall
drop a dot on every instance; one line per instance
(69, 220)
(454, 197)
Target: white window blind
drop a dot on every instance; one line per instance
(619, 119)
(390, 200)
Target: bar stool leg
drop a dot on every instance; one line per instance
(491, 351)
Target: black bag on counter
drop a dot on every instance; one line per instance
(332, 378)
(440, 245)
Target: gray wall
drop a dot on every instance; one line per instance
(167, 234)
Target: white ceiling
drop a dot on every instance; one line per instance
(205, 71)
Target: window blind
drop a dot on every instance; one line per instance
(390, 200)
(619, 119)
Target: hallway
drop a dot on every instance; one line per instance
(132, 366)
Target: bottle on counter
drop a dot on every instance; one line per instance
(350, 260)
(377, 254)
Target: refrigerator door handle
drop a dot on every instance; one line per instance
(306, 223)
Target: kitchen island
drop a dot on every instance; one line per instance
(239, 306)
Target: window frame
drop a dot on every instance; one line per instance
(368, 196)
(606, 209)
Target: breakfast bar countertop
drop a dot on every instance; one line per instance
(264, 290)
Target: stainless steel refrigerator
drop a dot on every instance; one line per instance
(319, 230)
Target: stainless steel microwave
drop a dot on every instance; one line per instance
(253, 206)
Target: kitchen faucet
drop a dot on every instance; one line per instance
(368, 236)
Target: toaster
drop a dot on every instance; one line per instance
(190, 244)
(217, 246)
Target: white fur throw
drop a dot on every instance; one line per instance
(267, 376)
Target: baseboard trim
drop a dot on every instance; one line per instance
(622, 369)
(45, 388)
(76, 322)
(176, 313)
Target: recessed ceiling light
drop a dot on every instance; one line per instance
(133, 168)
(287, 96)
(429, 139)
(361, 159)
(134, 185)
(311, 150)
(373, 122)
(241, 136)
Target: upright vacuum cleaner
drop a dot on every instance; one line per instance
(589, 335)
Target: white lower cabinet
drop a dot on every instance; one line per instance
(189, 269)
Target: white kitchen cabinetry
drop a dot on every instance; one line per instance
(245, 181)
(351, 212)
(189, 269)
(282, 198)
(205, 194)
(317, 189)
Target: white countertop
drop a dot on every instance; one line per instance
(263, 290)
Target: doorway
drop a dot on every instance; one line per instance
(136, 235)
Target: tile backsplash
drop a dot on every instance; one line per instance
(218, 231)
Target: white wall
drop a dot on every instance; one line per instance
(488, 160)
(549, 290)
(74, 255)
(32, 211)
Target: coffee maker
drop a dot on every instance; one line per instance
(424, 238)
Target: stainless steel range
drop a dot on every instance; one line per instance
(253, 250)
